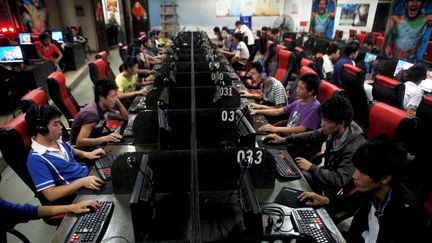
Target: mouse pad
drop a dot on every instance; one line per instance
(288, 197)
(106, 189)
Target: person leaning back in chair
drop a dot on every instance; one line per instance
(89, 123)
(342, 136)
(51, 161)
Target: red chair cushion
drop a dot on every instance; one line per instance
(387, 82)
(379, 42)
(37, 96)
(326, 90)
(351, 69)
(306, 62)
(385, 119)
(306, 69)
(61, 81)
(20, 125)
(283, 62)
(101, 68)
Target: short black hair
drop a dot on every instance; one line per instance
(332, 48)
(259, 67)
(337, 109)
(225, 28)
(216, 29)
(238, 23)
(274, 31)
(351, 47)
(264, 28)
(40, 116)
(380, 157)
(102, 87)
(43, 36)
(312, 82)
(238, 36)
(417, 72)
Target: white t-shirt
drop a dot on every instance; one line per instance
(242, 51)
(246, 31)
(426, 85)
(371, 235)
(327, 65)
(413, 95)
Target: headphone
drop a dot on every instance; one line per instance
(40, 122)
(263, 71)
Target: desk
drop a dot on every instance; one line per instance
(74, 56)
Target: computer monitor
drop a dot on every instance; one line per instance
(58, 36)
(402, 65)
(252, 215)
(246, 131)
(11, 54)
(369, 57)
(25, 38)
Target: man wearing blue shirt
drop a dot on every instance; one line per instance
(351, 51)
(51, 162)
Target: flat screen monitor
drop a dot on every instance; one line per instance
(58, 36)
(25, 38)
(11, 54)
(369, 57)
(402, 65)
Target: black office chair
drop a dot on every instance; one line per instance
(11, 230)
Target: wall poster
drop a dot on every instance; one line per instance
(354, 14)
(322, 18)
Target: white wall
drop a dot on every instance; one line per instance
(299, 10)
(88, 23)
(370, 20)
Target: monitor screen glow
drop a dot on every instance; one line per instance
(11, 54)
(369, 57)
(402, 65)
(58, 36)
(25, 38)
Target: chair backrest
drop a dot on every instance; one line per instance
(389, 91)
(104, 56)
(379, 43)
(361, 38)
(424, 115)
(269, 45)
(61, 95)
(338, 35)
(374, 36)
(352, 32)
(397, 124)
(306, 69)
(326, 90)
(284, 65)
(33, 98)
(352, 79)
(15, 142)
(306, 62)
(299, 52)
(98, 70)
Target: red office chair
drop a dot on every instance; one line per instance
(267, 54)
(374, 36)
(33, 98)
(306, 62)
(389, 91)
(61, 96)
(361, 38)
(326, 90)
(15, 142)
(338, 35)
(397, 124)
(352, 32)
(379, 43)
(104, 56)
(98, 70)
(428, 54)
(352, 79)
(273, 60)
(285, 65)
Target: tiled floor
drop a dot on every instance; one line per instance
(13, 189)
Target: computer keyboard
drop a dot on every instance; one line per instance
(307, 221)
(283, 166)
(103, 165)
(91, 227)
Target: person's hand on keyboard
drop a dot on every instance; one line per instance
(95, 154)
(268, 128)
(91, 182)
(312, 199)
(274, 138)
(113, 137)
(84, 206)
(303, 163)
(256, 106)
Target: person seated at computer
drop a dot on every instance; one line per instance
(218, 40)
(12, 214)
(153, 58)
(128, 82)
(413, 93)
(51, 161)
(384, 209)
(332, 54)
(48, 51)
(245, 31)
(229, 45)
(134, 50)
(275, 36)
(89, 124)
(241, 54)
(273, 94)
(342, 137)
(350, 54)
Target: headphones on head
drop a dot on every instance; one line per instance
(263, 70)
(41, 127)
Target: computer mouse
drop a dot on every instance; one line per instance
(302, 204)
(267, 141)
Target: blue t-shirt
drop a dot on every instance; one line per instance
(48, 170)
(303, 115)
(338, 70)
(12, 214)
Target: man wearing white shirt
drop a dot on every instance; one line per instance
(242, 28)
(332, 54)
(413, 93)
(241, 53)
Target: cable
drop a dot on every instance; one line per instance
(114, 237)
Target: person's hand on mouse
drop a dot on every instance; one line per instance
(312, 199)
(84, 206)
(274, 138)
(95, 154)
(303, 163)
(268, 128)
